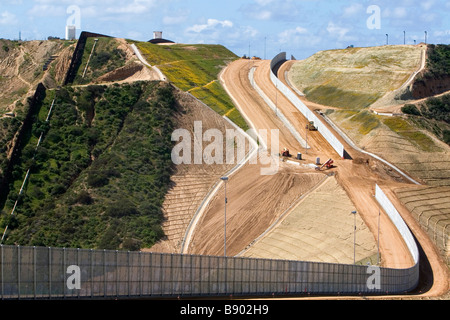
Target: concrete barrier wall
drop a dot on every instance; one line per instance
(274, 108)
(413, 273)
(310, 115)
(396, 218)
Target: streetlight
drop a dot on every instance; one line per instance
(378, 255)
(387, 39)
(354, 238)
(225, 179)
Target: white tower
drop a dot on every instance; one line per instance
(71, 32)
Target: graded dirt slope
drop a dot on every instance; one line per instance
(254, 203)
(321, 229)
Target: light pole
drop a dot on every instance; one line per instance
(379, 214)
(387, 39)
(225, 179)
(354, 237)
(426, 34)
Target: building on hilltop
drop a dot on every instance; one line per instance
(158, 39)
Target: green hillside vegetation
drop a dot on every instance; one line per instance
(195, 68)
(99, 177)
(432, 115)
(105, 58)
(438, 62)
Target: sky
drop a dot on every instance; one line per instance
(260, 28)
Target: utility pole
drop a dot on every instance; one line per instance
(378, 257)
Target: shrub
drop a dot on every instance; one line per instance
(122, 208)
(84, 198)
(411, 109)
(446, 136)
(97, 179)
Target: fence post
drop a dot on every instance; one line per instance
(34, 271)
(91, 272)
(104, 273)
(1, 251)
(50, 272)
(117, 273)
(129, 273)
(18, 272)
(64, 270)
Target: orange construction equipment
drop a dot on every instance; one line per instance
(328, 165)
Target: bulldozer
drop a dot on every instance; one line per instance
(311, 127)
(329, 165)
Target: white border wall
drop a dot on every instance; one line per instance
(396, 218)
(311, 116)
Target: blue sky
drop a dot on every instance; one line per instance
(259, 27)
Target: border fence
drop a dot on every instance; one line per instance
(66, 273)
(61, 273)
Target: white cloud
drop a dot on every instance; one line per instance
(7, 18)
(337, 31)
(396, 13)
(210, 25)
(135, 7)
(47, 10)
(176, 18)
(264, 2)
(426, 5)
(291, 35)
(353, 9)
(283, 10)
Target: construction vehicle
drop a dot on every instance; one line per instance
(286, 153)
(328, 165)
(311, 127)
